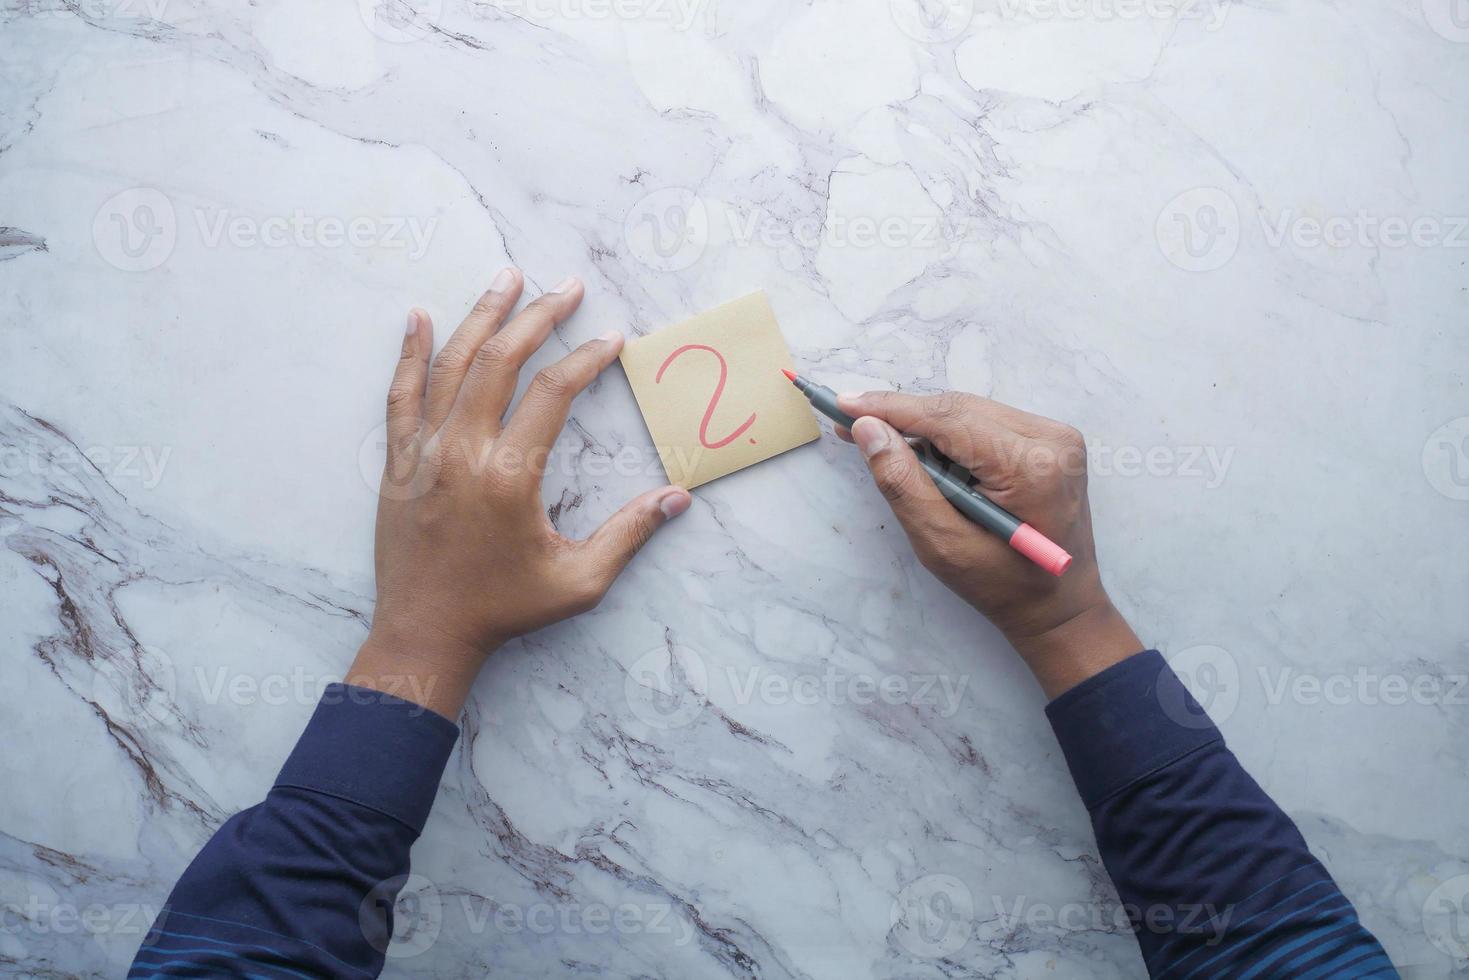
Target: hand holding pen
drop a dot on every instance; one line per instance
(1064, 626)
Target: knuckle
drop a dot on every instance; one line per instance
(553, 382)
(402, 394)
(1068, 436)
(493, 355)
(453, 359)
(951, 406)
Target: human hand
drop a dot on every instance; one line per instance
(466, 556)
(1065, 628)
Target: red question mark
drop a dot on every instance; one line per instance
(713, 400)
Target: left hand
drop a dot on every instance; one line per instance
(466, 556)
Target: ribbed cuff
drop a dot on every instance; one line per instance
(373, 749)
(1126, 723)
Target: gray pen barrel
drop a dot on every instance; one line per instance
(966, 500)
(969, 502)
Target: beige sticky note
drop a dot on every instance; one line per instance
(712, 393)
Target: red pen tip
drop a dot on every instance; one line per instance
(788, 374)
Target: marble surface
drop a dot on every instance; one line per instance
(1227, 240)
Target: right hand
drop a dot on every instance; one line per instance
(1065, 628)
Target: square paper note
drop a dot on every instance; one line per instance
(712, 393)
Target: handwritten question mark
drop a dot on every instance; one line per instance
(713, 399)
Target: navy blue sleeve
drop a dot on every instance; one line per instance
(1216, 880)
(303, 884)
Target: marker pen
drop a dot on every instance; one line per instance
(966, 499)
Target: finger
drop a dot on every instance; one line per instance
(453, 361)
(972, 431)
(410, 378)
(930, 520)
(542, 412)
(623, 535)
(842, 432)
(490, 382)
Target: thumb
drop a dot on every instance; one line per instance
(916, 501)
(624, 533)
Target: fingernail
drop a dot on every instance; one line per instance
(566, 285)
(412, 327)
(674, 503)
(504, 279)
(849, 398)
(611, 336)
(870, 434)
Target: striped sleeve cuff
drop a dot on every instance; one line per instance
(1127, 722)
